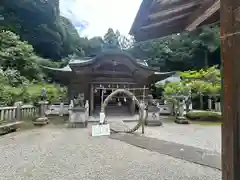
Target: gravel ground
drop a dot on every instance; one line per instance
(69, 154)
(201, 136)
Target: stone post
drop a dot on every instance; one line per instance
(144, 116)
(61, 109)
(87, 111)
(18, 111)
(209, 103)
(190, 106)
(42, 120)
(217, 106)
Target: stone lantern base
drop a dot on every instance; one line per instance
(41, 121)
(181, 120)
(77, 124)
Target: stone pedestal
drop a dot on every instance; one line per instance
(78, 116)
(181, 119)
(42, 120)
(153, 119)
(77, 119)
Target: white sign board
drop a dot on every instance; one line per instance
(101, 130)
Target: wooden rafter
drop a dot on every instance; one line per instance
(174, 10)
(202, 14)
(166, 21)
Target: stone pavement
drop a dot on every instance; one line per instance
(68, 154)
(189, 153)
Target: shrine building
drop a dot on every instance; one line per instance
(95, 78)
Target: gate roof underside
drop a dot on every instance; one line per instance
(159, 18)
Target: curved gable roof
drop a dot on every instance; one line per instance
(89, 61)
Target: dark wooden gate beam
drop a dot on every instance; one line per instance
(230, 44)
(207, 9)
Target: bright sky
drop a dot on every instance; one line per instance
(101, 14)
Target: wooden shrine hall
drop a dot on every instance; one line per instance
(95, 78)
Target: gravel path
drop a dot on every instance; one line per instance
(69, 154)
(204, 137)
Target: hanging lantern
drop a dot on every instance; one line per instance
(118, 99)
(109, 85)
(100, 85)
(125, 99)
(96, 91)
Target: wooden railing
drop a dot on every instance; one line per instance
(16, 113)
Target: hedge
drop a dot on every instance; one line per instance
(204, 116)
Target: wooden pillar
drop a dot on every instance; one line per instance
(230, 44)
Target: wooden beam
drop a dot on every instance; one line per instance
(202, 14)
(174, 10)
(230, 43)
(164, 22)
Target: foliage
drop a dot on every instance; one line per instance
(211, 74)
(116, 40)
(21, 78)
(39, 22)
(14, 87)
(176, 89)
(181, 52)
(204, 81)
(195, 83)
(18, 55)
(31, 93)
(204, 115)
(54, 92)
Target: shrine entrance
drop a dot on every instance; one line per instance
(119, 104)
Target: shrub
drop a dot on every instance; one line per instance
(204, 116)
(55, 93)
(31, 93)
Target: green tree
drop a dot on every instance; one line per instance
(39, 22)
(205, 82)
(181, 52)
(18, 55)
(111, 39)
